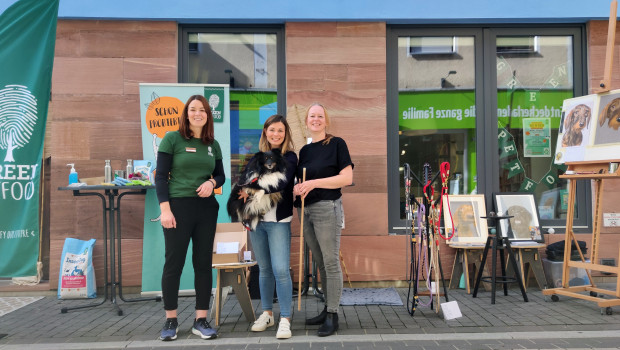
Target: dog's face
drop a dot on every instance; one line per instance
(611, 113)
(521, 221)
(465, 220)
(270, 160)
(578, 119)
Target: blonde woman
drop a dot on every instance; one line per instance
(328, 169)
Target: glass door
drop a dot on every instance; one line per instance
(534, 74)
(437, 112)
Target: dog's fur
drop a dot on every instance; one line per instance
(262, 174)
(578, 119)
(612, 113)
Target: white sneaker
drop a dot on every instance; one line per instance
(265, 320)
(284, 329)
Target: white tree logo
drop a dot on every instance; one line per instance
(18, 117)
(214, 101)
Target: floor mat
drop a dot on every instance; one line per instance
(9, 304)
(370, 296)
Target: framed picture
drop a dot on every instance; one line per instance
(548, 203)
(465, 220)
(524, 226)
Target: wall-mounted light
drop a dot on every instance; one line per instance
(443, 80)
(231, 79)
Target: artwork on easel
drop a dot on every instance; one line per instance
(589, 128)
(466, 212)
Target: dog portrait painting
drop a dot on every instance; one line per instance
(524, 224)
(464, 213)
(252, 196)
(575, 122)
(611, 114)
(608, 128)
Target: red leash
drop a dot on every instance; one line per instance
(444, 169)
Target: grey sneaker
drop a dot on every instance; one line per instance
(169, 332)
(264, 321)
(203, 329)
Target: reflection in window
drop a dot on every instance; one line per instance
(436, 104)
(248, 63)
(531, 90)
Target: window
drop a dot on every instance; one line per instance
(517, 44)
(432, 45)
(251, 61)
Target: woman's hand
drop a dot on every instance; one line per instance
(243, 195)
(167, 218)
(206, 189)
(302, 189)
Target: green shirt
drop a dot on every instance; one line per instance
(193, 163)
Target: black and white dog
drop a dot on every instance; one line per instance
(262, 175)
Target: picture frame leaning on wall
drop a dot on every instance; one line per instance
(524, 225)
(466, 212)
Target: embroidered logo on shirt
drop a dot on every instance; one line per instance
(210, 153)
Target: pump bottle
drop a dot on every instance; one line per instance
(73, 175)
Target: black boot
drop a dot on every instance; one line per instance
(320, 319)
(330, 326)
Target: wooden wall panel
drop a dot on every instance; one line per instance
(93, 76)
(95, 115)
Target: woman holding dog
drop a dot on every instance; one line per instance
(189, 168)
(271, 240)
(328, 168)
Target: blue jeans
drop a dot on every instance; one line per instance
(271, 242)
(322, 228)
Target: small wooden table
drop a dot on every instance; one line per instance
(528, 254)
(467, 254)
(234, 275)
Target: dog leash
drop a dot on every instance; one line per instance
(444, 170)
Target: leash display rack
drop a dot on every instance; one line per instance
(427, 203)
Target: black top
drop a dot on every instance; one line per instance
(285, 206)
(322, 161)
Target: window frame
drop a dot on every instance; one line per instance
(486, 104)
(278, 30)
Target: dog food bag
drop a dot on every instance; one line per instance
(77, 276)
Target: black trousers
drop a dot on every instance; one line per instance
(196, 221)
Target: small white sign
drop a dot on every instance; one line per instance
(451, 310)
(611, 219)
(247, 255)
(227, 248)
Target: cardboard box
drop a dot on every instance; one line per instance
(230, 233)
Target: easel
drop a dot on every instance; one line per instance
(427, 202)
(597, 171)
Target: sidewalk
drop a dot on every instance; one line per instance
(509, 324)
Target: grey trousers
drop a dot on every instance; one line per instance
(322, 227)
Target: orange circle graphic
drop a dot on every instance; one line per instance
(163, 114)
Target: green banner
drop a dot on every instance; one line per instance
(514, 167)
(528, 185)
(215, 96)
(27, 39)
(455, 109)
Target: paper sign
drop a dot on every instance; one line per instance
(611, 219)
(227, 248)
(247, 255)
(451, 310)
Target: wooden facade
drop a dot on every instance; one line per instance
(95, 115)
